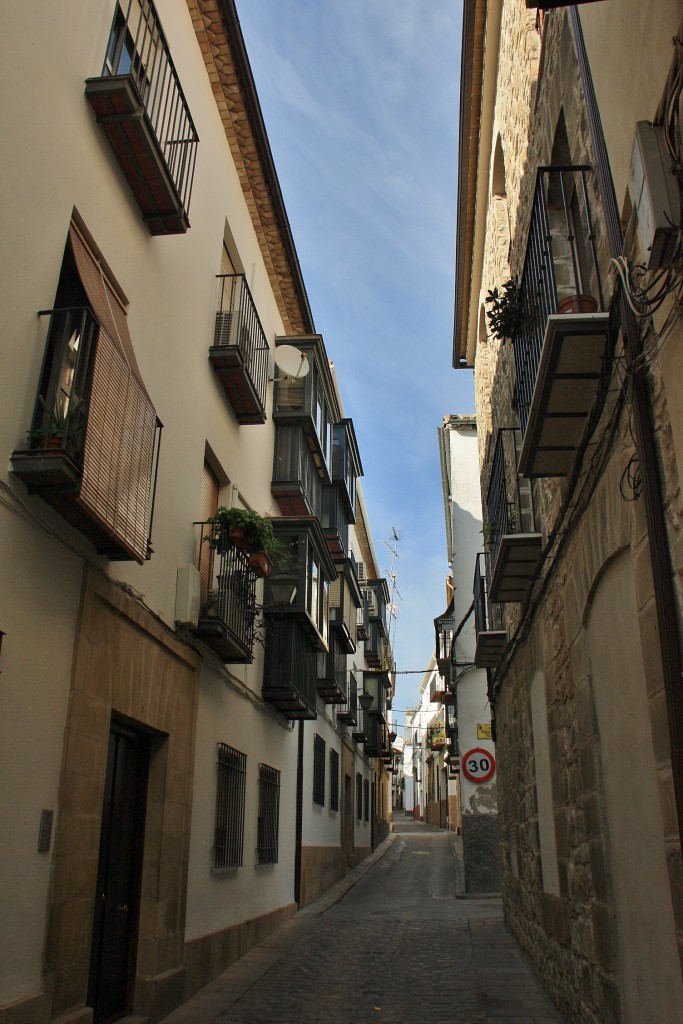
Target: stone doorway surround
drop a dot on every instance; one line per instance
(126, 663)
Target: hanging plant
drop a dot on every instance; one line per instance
(506, 314)
(249, 531)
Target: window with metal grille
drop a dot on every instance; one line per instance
(230, 789)
(318, 770)
(334, 780)
(268, 814)
(366, 800)
(359, 796)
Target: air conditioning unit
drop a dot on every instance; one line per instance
(187, 596)
(223, 328)
(360, 571)
(655, 194)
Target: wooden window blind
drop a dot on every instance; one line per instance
(119, 441)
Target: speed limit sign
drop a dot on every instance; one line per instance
(478, 765)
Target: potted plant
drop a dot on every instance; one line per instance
(61, 428)
(506, 314)
(250, 532)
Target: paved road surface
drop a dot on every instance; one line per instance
(396, 947)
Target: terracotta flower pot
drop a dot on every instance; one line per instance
(578, 304)
(260, 564)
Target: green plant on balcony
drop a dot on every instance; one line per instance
(250, 532)
(61, 427)
(506, 312)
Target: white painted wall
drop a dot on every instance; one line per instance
(459, 440)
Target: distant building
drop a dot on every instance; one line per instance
(568, 307)
(462, 667)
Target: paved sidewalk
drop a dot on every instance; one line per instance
(390, 942)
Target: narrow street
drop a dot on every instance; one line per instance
(397, 946)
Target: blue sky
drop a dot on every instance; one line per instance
(360, 100)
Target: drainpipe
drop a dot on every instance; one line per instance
(299, 814)
(644, 433)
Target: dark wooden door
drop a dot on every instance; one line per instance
(117, 901)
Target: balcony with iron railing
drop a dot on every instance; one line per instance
(491, 642)
(345, 602)
(334, 520)
(332, 683)
(296, 483)
(347, 714)
(561, 344)
(444, 628)
(290, 674)
(373, 645)
(228, 609)
(139, 103)
(90, 453)
(514, 543)
(239, 353)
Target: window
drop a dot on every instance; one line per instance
(318, 770)
(334, 780)
(366, 800)
(230, 789)
(268, 814)
(359, 796)
(94, 425)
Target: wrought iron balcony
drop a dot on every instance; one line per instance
(378, 596)
(92, 462)
(560, 348)
(239, 353)
(228, 596)
(444, 628)
(510, 526)
(437, 689)
(378, 685)
(140, 106)
(373, 645)
(491, 642)
(436, 734)
(332, 684)
(348, 713)
(345, 600)
(290, 674)
(346, 464)
(296, 483)
(310, 400)
(377, 743)
(335, 520)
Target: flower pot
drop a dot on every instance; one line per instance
(578, 304)
(260, 564)
(237, 537)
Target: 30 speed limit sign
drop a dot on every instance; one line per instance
(478, 765)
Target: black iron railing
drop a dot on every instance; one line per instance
(480, 601)
(335, 519)
(509, 502)
(138, 49)
(268, 814)
(560, 266)
(227, 585)
(228, 843)
(238, 326)
(290, 675)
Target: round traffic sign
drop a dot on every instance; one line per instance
(478, 765)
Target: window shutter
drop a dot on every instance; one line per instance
(119, 450)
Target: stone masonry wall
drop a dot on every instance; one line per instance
(572, 936)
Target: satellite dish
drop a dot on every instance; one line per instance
(291, 361)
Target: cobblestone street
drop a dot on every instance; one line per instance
(397, 946)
